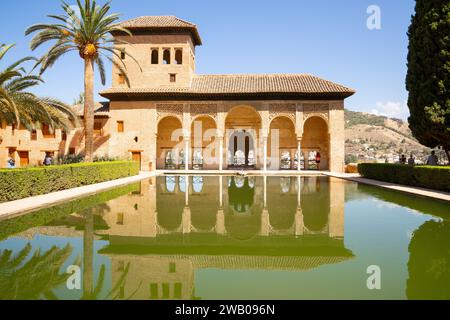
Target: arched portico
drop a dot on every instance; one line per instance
(204, 143)
(169, 143)
(316, 139)
(282, 144)
(242, 135)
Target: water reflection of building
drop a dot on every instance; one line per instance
(179, 224)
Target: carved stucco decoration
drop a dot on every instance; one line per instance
(174, 110)
(208, 109)
(316, 110)
(282, 109)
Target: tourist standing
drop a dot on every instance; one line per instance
(11, 163)
(411, 160)
(48, 160)
(318, 158)
(432, 159)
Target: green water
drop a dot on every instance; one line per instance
(211, 237)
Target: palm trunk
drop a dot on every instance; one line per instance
(88, 254)
(89, 108)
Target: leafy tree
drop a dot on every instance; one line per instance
(18, 106)
(428, 78)
(429, 262)
(88, 32)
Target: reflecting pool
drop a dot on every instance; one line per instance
(230, 237)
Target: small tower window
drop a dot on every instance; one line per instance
(166, 56)
(155, 58)
(122, 54)
(179, 56)
(173, 77)
(121, 78)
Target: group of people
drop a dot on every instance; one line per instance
(11, 162)
(432, 159)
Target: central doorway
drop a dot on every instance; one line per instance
(241, 150)
(242, 128)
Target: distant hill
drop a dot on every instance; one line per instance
(377, 138)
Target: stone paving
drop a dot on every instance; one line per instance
(392, 186)
(22, 206)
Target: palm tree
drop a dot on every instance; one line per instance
(31, 276)
(18, 106)
(89, 33)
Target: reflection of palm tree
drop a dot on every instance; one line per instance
(35, 278)
(114, 293)
(89, 291)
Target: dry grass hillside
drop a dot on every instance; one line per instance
(377, 138)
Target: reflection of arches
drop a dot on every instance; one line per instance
(171, 184)
(197, 184)
(242, 125)
(316, 138)
(286, 143)
(203, 136)
(315, 203)
(204, 206)
(169, 206)
(240, 195)
(168, 127)
(281, 202)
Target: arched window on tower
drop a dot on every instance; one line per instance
(155, 58)
(179, 56)
(166, 56)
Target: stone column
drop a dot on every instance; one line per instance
(220, 222)
(299, 227)
(187, 220)
(220, 191)
(265, 223)
(337, 137)
(220, 153)
(299, 151)
(265, 153)
(186, 193)
(337, 204)
(265, 191)
(186, 152)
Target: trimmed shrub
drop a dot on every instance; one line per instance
(44, 216)
(21, 183)
(437, 178)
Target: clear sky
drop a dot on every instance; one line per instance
(327, 38)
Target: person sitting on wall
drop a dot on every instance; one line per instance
(48, 160)
(318, 158)
(432, 159)
(11, 162)
(411, 160)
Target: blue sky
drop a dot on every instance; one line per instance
(327, 38)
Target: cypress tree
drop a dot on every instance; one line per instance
(428, 78)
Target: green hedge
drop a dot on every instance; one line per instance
(44, 216)
(437, 178)
(22, 183)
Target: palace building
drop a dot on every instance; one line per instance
(166, 116)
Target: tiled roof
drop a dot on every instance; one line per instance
(156, 21)
(101, 109)
(250, 84)
(162, 22)
(262, 83)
